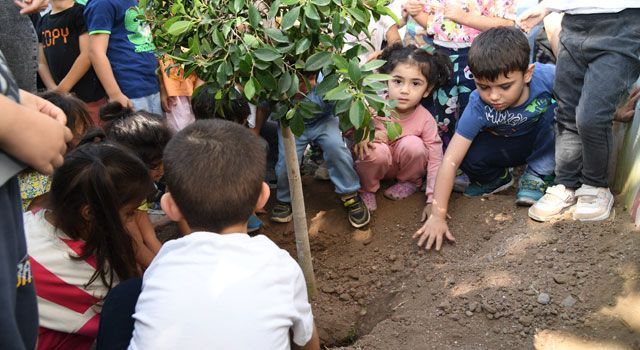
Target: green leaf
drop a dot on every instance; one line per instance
(343, 105)
(254, 16)
(250, 40)
(321, 2)
(179, 27)
(290, 18)
(295, 84)
(297, 124)
(372, 78)
(284, 83)
(317, 61)
(336, 23)
(358, 15)
(284, 49)
(218, 39)
(266, 54)
(276, 35)
(356, 113)
(221, 75)
(338, 93)
(340, 62)
(302, 45)
(372, 65)
(273, 10)
(267, 80)
(394, 130)
(311, 12)
(236, 6)
(250, 88)
(354, 70)
(290, 2)
(328, 83)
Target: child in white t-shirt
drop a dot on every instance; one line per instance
(219, 288)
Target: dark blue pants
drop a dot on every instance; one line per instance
(19, 319)
(116, 321)
(489, 154)
(597, 63)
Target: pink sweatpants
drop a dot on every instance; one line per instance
(404, 160)
(180, 114)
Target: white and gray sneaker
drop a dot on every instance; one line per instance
(594, 203)
(556, 200)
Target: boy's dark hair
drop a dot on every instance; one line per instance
(105, 178)
(78, 118)
(234, 108)
(498, 51)
(436, 67)
(145, 134)
(214, 170)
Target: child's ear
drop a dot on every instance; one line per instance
(168, 204)
(426, 93)
(265, 192)
(528, 74)
(85, 212)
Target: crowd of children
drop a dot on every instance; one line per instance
(126, 137)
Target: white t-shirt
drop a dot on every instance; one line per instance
(232, 291)
(577, 7)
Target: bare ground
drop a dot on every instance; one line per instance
(377, 290)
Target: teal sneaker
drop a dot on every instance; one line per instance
(499, 184)
(531, 188)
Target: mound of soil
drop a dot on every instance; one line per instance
(508, 282)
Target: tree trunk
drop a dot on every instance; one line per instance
(299, 214)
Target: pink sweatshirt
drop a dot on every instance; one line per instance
(422, 124)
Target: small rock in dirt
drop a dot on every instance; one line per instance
(560, 279)
(560, 250)
(451, 281)
(363, 312)
(489, 308)
(502, 217)
(468, 313)
(397, 267)
(445, 306)
(328, 289)
(526, 320)
(473, 306)
(569, 301)
(544, 298)
(345, 297)
(455, 317)
(582, 274)
(529, 292)
(486, 236)
(392, 257)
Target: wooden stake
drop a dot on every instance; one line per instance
(299, 215)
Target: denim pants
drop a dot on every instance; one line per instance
(149, 103)
(490, 154)
(597, 63)
(326, 133)
(116, 318)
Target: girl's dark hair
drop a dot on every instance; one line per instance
(74, 108)
(103, 178)
(435, 66)
(146, 134)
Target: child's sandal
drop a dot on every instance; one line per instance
(400, 190)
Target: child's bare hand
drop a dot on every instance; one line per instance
(414, 7)
(31, 6)
(123, 99)
(531, 18)
(426, 213)
(453, 12)
(362, 149)
(433, 231)
(626, 112)
(41, 105)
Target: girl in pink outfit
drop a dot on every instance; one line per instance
(418, 150)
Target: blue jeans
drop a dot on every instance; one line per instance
(337, 158)
(149, 103)
(489, 154)
(597, 63)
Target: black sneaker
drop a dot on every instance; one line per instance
(281, 212)
(358, 212)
